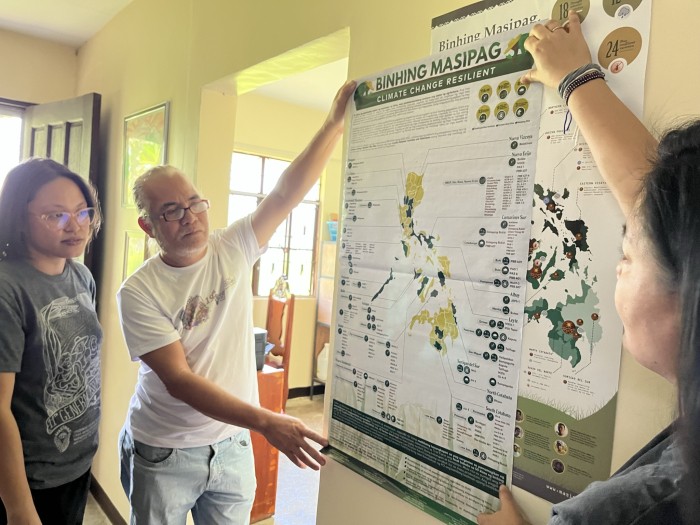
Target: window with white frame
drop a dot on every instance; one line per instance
(10, 138)
(291, 249)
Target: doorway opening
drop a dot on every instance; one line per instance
(263, 117)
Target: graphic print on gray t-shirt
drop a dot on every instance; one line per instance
(72, 366)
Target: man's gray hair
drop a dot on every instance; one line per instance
(139, 188)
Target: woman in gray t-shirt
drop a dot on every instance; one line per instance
(50, 342)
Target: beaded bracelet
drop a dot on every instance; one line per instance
(575, 73)
(580, 81)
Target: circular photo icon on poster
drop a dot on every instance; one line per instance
(501, 110)
(561, 430)
(485, 93)
(517, 450)
(483, 113)
(519, 416)
(519, 433)
(560, 447)
(558, 466)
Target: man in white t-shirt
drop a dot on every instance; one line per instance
(187, 316)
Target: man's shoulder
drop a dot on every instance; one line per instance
(232, 232)
(237, 237)
(145, 277)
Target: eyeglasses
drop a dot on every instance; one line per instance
(176, 214)
(59, 220)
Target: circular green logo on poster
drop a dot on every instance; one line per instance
(483, 113)
(503, 89)
(520, 88)
(501, 110)
(520, 107)
(485, 93)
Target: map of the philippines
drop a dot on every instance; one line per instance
(426, 307)
(432, 266)
(442, 322)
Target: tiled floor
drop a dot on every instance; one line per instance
(94, 514)
(297, 489)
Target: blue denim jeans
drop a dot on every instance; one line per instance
(215, 482)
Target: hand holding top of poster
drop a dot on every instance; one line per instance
(621, 144)
(336, 115)
(558, 50)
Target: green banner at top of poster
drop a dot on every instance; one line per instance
(445, 71)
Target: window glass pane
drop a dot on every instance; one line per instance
(303, 226)
(246, 172)
(272, 173)
(239, 206)
(313, 193)
(299, 276)
(279, 238)
(258, 175)
(271, 268)
(10, 135)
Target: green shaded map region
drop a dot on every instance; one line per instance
(412, 199)
(572, 235)
(443, 324)
(570, 321)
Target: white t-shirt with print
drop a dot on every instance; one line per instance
(208, 307)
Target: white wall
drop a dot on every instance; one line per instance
(34, 70)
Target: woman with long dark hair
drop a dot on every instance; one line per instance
(50, 342)
(657, 186)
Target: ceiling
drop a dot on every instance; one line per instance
(74, 22)
(312, 89)
(69, 22)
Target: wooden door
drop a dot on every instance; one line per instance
(67, 132)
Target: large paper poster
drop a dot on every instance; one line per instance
(432, 268)
(572, 335)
